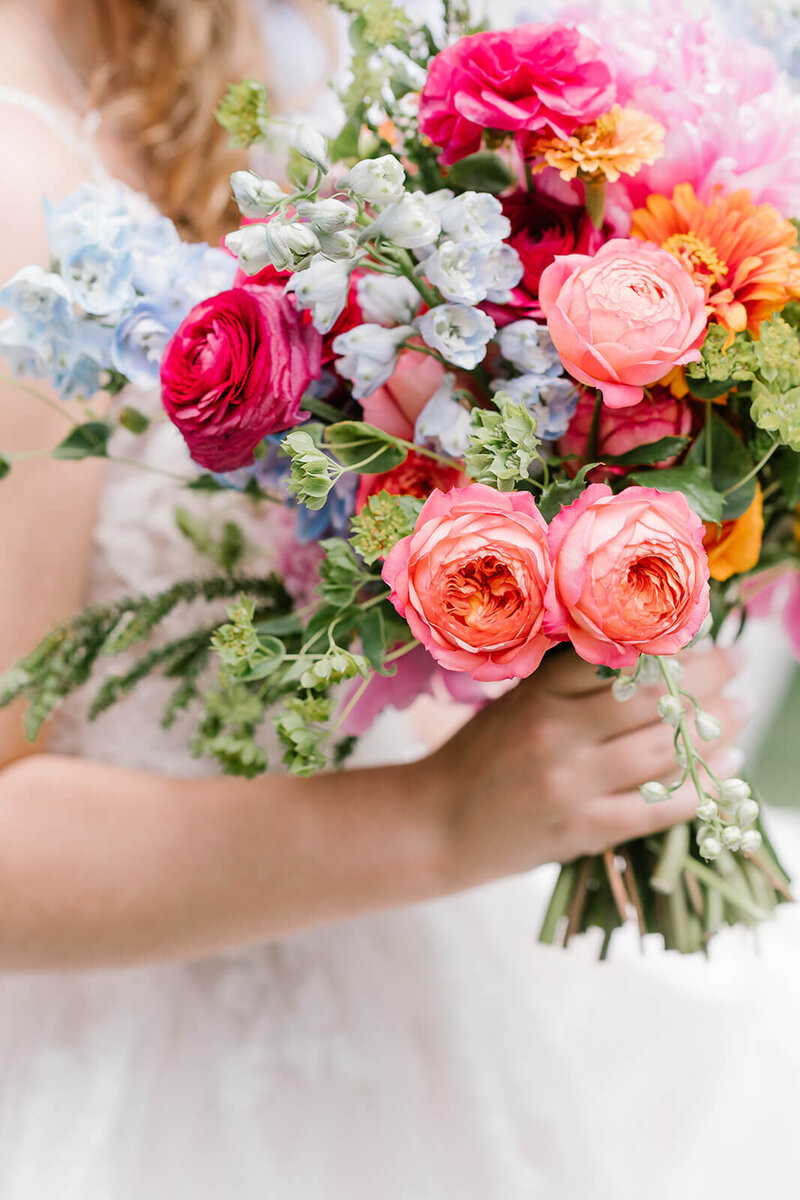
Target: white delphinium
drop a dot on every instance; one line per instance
(326, 216)
(376, 180)
(467, 274)
(475, 217)
(410, 222)
(443, 421)
(340, 245)
(254, 196)
(459, 333)
(322, 288)
(529, 348)
(387, 299)
(369, 355)
(503, 270)
(249, 245)
(290, 245)
(552, 402)
(311, 145)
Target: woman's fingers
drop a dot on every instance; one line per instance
(625, 762)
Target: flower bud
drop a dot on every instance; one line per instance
(326, 216)
(376, 180)
(710, 848)
(255, 197)
(290, 245)
(733, 791)
(747, 812)
(624, 688)
(654, 792)
(311, 145)
(707, 810)
(732, 837)
(339, 246)
(249, 245)
(670, 709)
(751, 840)
(707, 726)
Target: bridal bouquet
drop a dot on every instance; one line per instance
(519, 349)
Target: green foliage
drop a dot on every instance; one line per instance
(5, 467)
(206, 483)
(334, 667)
(503, 444)
(302, 731)
(227, 731)
(729, 461)
(719, 365)
(134, 421)
(481, 172)
(651, 452)
(778, 412)
(313, 472)
(381, 524)
(244, 112)
(246, 654)
(89, 440)
(357, 445)
(341, 573)
(225, 551)
(693, 480)
(562, 492)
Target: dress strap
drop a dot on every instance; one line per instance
(78, 133)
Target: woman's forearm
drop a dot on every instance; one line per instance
(101, 864)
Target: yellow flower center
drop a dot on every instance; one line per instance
(700, 260)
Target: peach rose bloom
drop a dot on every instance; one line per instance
(630, 574)
(471, 581)
(623, 318)
(620, 430)
(736, 546)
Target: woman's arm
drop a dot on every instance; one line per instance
(99, 864)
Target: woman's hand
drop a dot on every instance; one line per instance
(552, 769)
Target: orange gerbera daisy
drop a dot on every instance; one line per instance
(743, 254)
(618, 143)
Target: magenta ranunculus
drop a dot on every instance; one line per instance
(235, 371)
(527, 78)
(620, 430)
(471, 581)
(624, 317)
(630, 575)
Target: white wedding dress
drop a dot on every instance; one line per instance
(430, 1053)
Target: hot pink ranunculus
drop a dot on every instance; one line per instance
(624, 317)
(527, 78)
(471, 581)
(630, 575)
(620, 430)
(235, 371)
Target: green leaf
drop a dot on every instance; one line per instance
(481, 172)
(345, 144)
(563, 492)
(275, 652)
(5, 467)
(650, 452)
(206, 483)
(286, 623)
(730, 462)
(85, 441)
(707, 389)
(373, 633)
(357, 444)
(787, 468)
(133, 420)
(693, 480)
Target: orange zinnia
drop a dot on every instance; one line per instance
(742, 254)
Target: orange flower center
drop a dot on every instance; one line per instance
(480, 591)
(698, 258)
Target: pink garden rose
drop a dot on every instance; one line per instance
(471, 581)
(630, 575)
(235, 371)
(620, 430)
(623, 318)
(527, 78)
(396, 406)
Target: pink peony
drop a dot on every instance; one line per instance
(471, 581)
(620, 430)
(526, 78)
(623, 318)
(235, 371)
(630, 575)
(730, 117)
(396, 406)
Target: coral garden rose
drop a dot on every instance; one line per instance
(236, 370)
(630, 574)
(735, 546)
(527, 78)
(471, 581)
(621, 430)
(622, 319)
